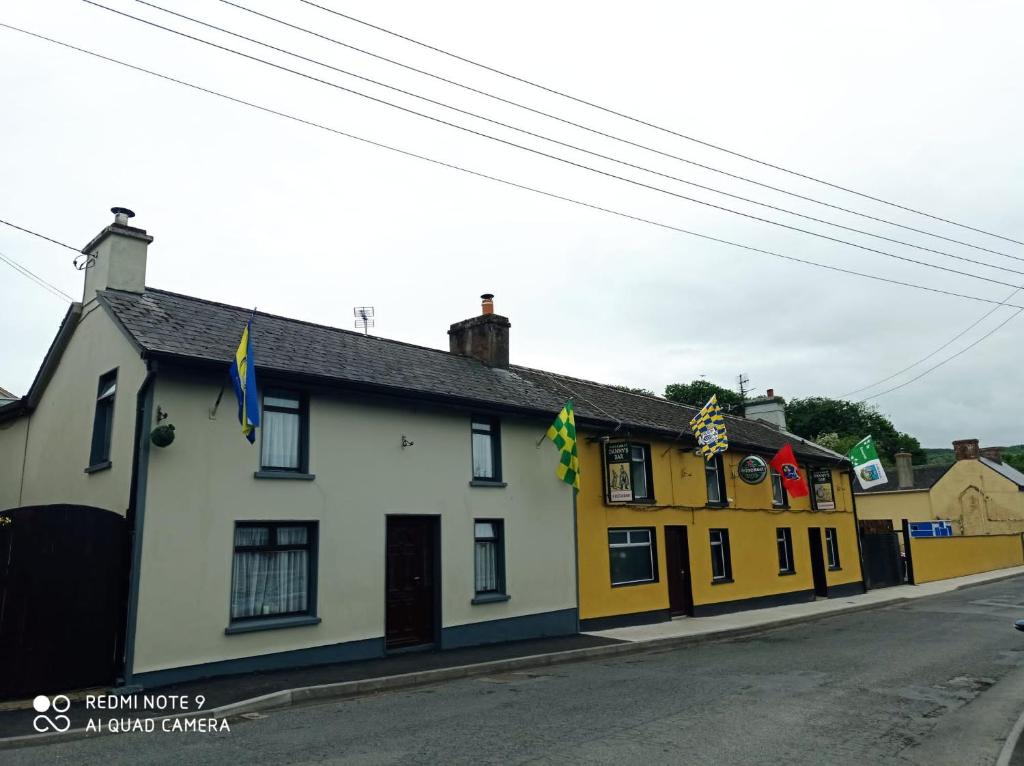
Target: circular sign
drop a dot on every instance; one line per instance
(752, 469)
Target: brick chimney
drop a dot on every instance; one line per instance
(770, 408)
(904, 470)
(483, 337)
(995, 454)
(116, 257)
(965, 449)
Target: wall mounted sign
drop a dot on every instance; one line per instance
(752, 469)
(619, 488)
(931, 529)
(821, 481)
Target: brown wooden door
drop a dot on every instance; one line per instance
(412, 580)
(817, 562)
(677, 561)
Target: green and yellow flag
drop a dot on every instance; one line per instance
(563, 433)
(708, 427)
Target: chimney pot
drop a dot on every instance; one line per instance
(121, 215)
(487, 303)
(965, 449)
(904, 470)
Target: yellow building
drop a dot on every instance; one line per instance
(979, 493)
(663, 532)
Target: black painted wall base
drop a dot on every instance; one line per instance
(846, 589)
(543, 625)
(626, 620)
(758, 602)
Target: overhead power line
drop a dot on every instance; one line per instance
(48, 286)
(41, 236)
(597, 132)
(557, 158)
(945, 345)
(567, 145)
(639, 121)
(496, 179)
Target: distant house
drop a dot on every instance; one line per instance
(979, 493)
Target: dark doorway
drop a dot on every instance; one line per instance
(883, 562)
(413, 603)
(817, 562)
(677, 560)
(62, 594)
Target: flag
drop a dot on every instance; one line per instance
(866, 464)
(784, 463)
(243, 377)
(563, 433)
(709, 429)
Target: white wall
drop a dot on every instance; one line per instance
(200, 485)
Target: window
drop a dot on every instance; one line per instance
(832, 547)
(628, 473)
(285, 427)
(103, 420)
(631, 554)
(779, 497)
(784, 541)
(486, 435)
(721, 560)
(640, 472)
(273, 570)
(715, 474)
(489, 557)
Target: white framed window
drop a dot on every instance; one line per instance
(832, 547)
(784, 542)
(632, 556)
(721, 558)
(714, 474)
(779, 497)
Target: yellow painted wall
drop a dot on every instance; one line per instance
(944, 557)
(974, 497)
(680, 499)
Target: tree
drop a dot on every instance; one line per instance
(698, 392)
(818, 416)
(633, 390)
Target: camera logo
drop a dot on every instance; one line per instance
(59, 704)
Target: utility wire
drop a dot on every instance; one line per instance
(48, 286)
(645, 123)
(556, 157)
(553, 140)
(604, 134)
(948, 343)
(496, 179)
(947, 359)
(41, 236)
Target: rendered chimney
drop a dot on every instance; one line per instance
(904, 470)
(770, 408)
(965, 449)
(116, 257)
(995, 454)
(483, 337)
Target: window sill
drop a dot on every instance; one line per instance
(722, 581)
(777, 507)
(835, 569)
(716, 505)
(787, 572)
(487, 483)
(293, 475)
(95, 468)
(632, 584)
(490, 598)
(270, 623)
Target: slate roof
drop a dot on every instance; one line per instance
(925, 477)
(1005, 470)
(169, 324)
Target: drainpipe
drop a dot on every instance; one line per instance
(856, 521)
(135, 517)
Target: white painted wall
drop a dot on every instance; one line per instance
(200, 485)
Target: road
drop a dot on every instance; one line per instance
(937, 681)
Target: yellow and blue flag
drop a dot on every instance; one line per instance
(709, 429)
(243, 377)
(563, 433)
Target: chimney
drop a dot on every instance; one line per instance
(965, 449)
(116, 257)
(770, 408)
(904, 470)
(483, 337)
(995, 454)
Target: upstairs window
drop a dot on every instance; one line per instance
(486, 438)
(779, 497)
(285, 428)
(629, 474)
(103, 420)
(714, 474)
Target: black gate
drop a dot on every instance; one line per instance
(62, 595)
(883, 564)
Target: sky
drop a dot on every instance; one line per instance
(916, 103)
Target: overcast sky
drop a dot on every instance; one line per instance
(914, 102)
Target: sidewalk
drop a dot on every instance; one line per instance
(239, 695)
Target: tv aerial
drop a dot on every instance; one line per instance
(364, 318)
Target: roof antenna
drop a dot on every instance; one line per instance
(364, 318)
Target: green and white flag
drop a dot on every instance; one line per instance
(866, 464)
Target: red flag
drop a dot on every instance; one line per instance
(785, 464)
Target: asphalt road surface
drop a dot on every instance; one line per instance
(938, 681)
